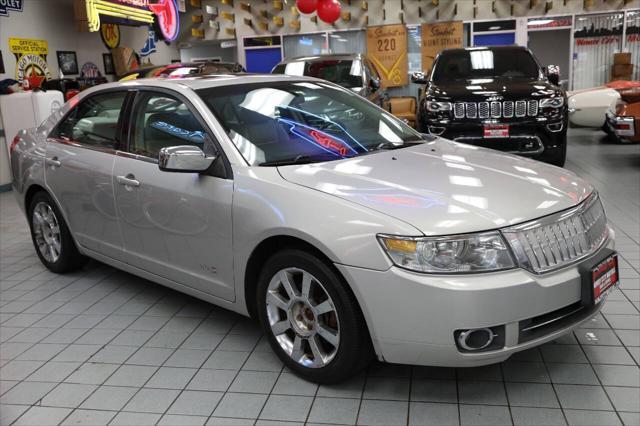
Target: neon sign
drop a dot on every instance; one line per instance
(322, 140)
(164, 12)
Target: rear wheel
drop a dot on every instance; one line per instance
(311, 320)
(51, 238)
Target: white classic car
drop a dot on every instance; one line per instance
(588, 107)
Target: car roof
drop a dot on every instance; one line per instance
(492, 48)
(335, 56)
(204, 81)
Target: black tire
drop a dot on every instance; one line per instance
(559, 157)
(354, 351)
(69, 259)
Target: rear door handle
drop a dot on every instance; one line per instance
(53, 162)
(128, 180)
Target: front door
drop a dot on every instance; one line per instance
(79, 161)
(176, 225)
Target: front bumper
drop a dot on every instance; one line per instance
(412, 317)
(541, 137)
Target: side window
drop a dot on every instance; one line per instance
(95, 121)
(161, 121)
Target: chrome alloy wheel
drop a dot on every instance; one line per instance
(303, 318)
(46, 232)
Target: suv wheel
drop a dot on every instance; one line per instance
(51, 238)
(311, 320)
(559, 156)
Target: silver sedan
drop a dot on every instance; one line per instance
(346, 233)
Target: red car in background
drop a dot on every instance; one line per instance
(623, 123)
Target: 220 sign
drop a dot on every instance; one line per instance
(386, 44)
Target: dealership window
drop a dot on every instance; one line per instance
(305, 45)
(348, 42)
(596, 39)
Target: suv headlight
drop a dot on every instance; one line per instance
(436, 106)
(446, 255)
(552, 102)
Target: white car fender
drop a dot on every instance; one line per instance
(588, 107)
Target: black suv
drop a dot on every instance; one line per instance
(496, 97)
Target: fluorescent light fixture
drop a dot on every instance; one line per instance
(540, 22)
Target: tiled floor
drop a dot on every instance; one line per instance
(104, 347)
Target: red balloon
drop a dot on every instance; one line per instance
(329, 10)
(307, 6)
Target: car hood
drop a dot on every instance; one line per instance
(443, 187)
(493, 88)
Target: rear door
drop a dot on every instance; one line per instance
(79, 162)
(176, 225)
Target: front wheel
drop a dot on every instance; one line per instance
(51, 237)
(311, 320)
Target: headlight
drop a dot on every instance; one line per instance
(455, 254)
(552, 102)
(435, 106)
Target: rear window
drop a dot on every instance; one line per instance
(345, 72)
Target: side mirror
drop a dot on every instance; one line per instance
(419, 78)
(375, 84)
(553, 74)
(184, 159)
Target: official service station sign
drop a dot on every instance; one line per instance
(31, 60)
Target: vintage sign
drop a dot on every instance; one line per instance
(387, 49)
(436, 38)
(31, 60)
(164, 13)
(10, 5)
(110, 34)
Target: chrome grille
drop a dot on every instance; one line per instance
(507, 109)
(458, 110)
(483, 109)
(495, 109)
(560, 239)
(472, 109)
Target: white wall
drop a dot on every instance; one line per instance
(53, 20)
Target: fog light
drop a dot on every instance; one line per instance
(435, 130)
(554, 127)
(480, 339)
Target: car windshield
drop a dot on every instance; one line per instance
(345, 72)
(278, 123)
(485, 63)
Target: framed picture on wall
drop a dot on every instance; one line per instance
(107, 61)
(67, 62)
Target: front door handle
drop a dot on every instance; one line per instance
(128, 180)
(53, 162)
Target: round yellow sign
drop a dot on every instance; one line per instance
(110, 34)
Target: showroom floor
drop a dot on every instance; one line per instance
(102, 346)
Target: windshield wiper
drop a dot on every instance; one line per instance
(390, 145)
(300, 159)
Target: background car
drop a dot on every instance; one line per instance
(353, 71)
(496, 97)
(623, 120)
(587, 108)
(181, 69)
